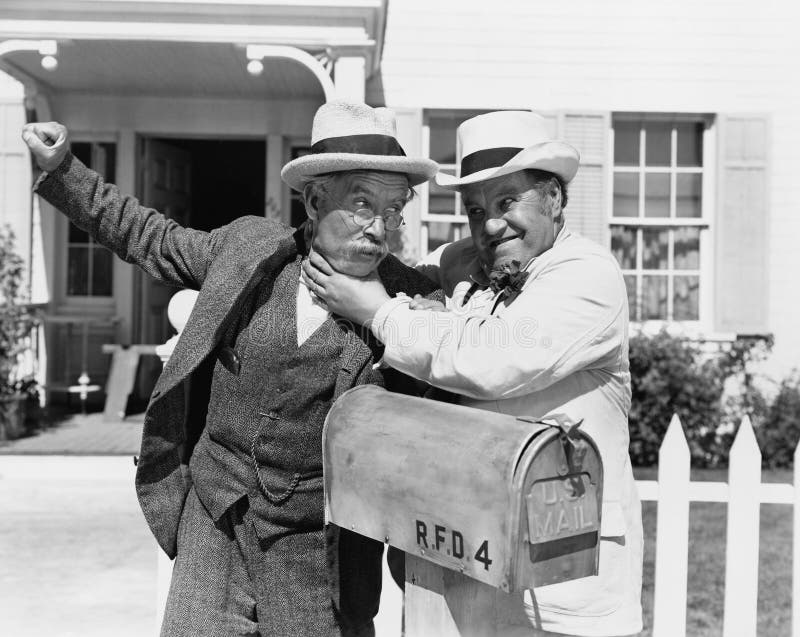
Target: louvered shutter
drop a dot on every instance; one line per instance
(586, 211)
(741, 228)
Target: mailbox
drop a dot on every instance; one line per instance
(512, 502)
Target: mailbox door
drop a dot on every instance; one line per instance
(558, 521)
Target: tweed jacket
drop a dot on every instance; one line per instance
(225, 265)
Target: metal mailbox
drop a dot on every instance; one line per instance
(512, 502)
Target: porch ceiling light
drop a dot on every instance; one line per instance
(49, 63)
(48, 50)
(255, 67)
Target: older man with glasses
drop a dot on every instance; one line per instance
(246, 520)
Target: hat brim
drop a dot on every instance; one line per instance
(299, 171)
(555, 157)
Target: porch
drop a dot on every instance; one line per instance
(193, 107)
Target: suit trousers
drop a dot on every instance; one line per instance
(211, 592)
(227, 583)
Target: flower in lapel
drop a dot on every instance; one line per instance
(507, 282)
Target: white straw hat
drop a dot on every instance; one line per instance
(354, 136)
(503, 142)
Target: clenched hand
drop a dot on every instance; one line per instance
(48, 143)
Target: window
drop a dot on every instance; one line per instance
(89, 265)
(659, 223)
(442, 217)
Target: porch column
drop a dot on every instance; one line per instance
(350, 77)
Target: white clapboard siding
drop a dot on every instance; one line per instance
(672, 551)
(616, 54)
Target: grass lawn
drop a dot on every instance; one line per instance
(707, 535)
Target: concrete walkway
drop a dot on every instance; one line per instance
(88, 435)
(76, 556)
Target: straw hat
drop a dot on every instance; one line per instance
(503, 142)
(354, 136)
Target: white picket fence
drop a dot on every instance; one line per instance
(744, 493)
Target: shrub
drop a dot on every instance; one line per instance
(779, 434)
(743, 396)
(17, 318)
(669, 375)
(672, 375)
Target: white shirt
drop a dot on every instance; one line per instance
(311, 312)
(560, 346)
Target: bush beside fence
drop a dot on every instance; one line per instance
(672, 375)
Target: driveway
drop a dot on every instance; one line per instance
(76, 557)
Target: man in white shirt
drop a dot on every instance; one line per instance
(536, 322)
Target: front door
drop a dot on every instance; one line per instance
(166, 186)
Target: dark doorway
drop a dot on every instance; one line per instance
(228, 180)
(201, 184)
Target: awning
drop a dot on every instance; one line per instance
(187, 48)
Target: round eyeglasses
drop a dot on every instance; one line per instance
(364, 217)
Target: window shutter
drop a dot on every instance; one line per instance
(586, 211)
(742, 223)
(404, 244)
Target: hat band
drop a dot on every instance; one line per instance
(487, 158)
(360, 145)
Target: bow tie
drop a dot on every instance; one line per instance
(506, 282)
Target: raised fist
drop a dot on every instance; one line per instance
(48, 142)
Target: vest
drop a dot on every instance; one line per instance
(269, 399)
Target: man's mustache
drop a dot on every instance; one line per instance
(367, 247)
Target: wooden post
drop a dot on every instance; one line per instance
(741, 552)
(389, 620)
(440, 602)
(672, 535)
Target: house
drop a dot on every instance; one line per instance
(685, 115)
